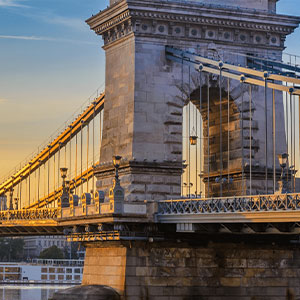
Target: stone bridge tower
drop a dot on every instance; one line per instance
(143, 105)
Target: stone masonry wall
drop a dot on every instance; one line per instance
(118, 109)
(212, 272)
(105, 266)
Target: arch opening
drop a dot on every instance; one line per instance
(214, 169)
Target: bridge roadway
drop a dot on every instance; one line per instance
(278, 214)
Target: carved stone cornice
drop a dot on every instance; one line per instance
(195, 20)
(113, 22)
(212, 21)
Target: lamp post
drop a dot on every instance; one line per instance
(116, 163)
(16, 203)
(63, 173)
(283, 183)
(116, 193)
(65, 188)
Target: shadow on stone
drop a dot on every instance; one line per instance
(87, 292)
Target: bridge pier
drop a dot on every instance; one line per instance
(215, 267)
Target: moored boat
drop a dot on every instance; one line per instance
(42, 271)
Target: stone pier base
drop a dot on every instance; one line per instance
(88, 292)
(257, 269)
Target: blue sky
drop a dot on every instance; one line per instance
(50, 63)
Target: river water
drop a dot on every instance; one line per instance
(29, 292)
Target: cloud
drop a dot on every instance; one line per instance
(74, 23)
(44, 38)
(24, 37)
(46, 16)
(11, 3)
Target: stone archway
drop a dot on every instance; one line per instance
(233, 155)
(142, 112)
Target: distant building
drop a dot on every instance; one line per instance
(34, 245)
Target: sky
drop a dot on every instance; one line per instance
(50, 63)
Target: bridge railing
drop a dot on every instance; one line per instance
(29, 214)
(238, 204)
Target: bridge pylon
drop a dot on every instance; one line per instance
(145, 93)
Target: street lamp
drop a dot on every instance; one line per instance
(283, 159)
(65, 188)
(283, 183)
(116, 163)
(63, 173)
(193, 140)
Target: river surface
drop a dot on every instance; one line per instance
(29, 292)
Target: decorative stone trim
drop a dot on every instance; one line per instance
(222, 25)
(113, 22)
(210, 21)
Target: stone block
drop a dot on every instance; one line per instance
(130, 271)
(132, 261)
(206, 262)
(110, 270)
(156, 281)
(133, 291)
(142, 271)
(205, 253)
(254, 272)
(157, 188)
(259, 263)
(230, 282)
(234, 273)
(262, 282)
(175, 190)
(112, 261)
(235, 263)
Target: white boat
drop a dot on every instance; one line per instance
(42, 271)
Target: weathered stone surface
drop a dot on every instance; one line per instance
(89, 292)
(181, 271)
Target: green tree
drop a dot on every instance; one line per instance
(52, 253)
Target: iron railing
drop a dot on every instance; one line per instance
(277, 202)
(29, 214)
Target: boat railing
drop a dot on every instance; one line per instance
(58, 262)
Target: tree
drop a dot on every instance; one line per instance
(17, 248)
(11, 249)
(52, 253)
